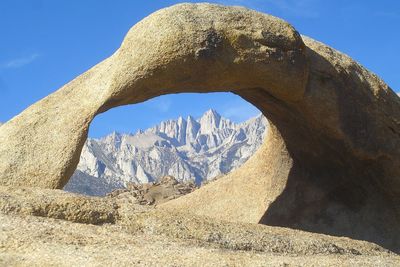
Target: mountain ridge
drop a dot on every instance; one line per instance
(188, 149)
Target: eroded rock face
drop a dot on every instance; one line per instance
(185, 48)
(155, 193)
(330, 164)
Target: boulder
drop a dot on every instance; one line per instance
(330, 164)
(155, 193)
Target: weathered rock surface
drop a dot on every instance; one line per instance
(35, 241)
(331, 163)
(156, 193)
(185, 48)
(144, 236)
(58, 205)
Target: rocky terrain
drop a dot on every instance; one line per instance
(188, 149)
(55, 228)
(154, 193)
(323, 189)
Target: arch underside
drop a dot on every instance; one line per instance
(331, 161)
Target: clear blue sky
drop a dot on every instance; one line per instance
(46, 43)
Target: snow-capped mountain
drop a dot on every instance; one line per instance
(187, 149)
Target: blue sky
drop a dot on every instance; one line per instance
(46, 43)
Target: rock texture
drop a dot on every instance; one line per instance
(35, 241)
(156, 193)
(188, 149)
(57, 205)
(331, 163)
(117, 206)
(32, 234)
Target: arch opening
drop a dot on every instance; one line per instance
(191, 137)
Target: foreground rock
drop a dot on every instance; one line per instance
(331, 163)
(113, 230)
(35, 241)
(58, 205)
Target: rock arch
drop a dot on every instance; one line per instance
(331, 163)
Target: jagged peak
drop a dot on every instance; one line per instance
(260, 116)
(114, 135)
(210, 116)
(140, 131)
(211, 112)
(191, 119)
(210, 119)
(190, 152)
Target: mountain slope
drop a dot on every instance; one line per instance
(187, 149)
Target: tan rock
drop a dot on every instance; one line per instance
(31, 235)
(156, 193)
(58, 204)
(330, 165)
(185, 48)
(34, 241)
